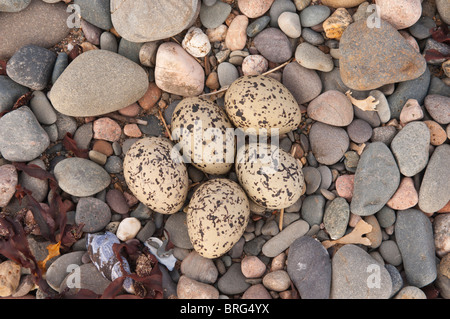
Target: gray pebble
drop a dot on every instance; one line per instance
(313, 209)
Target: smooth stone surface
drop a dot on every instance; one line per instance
(93, 213)
(312, 36)
(227, 73)
(22, 139)
(377, 178)
(313, 209)
(108, 41)
(61, 268)
(81, 177)
(405, 197)
(8, 182)
(96, 12)
(199, 268)
(359, 131)
(443, 8)
(177, 72)
(328, 143)
(213, 16)
(274, 45)
(400, 13)
(143, 20)
(434, 191)
(233, 281)
(277, 280)
(196, 43)
(177, 228)
(309, 267)
(61, 63)
(390, 252)
(254, 9)
(192, 289)
(438, 107)
(332, 108)
(10, 91)
(414, 237)
(257, 26)
(236, 37)
(13, 5)
(38, 187)
(352, 268)
(95, 77)
(90, 279)
(336, 218)
(410, 148)
(313, 15)
(277, 8)
(285, 238)
(373, 57)
(31, 66)
(303, 83)
(311, 57)
(342, 3)
(289, 23)
(441, 227)
(41, 24)
(42, 108)
(129, 50)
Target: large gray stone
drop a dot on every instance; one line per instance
(40, 23)
(434, 191)
(22, 138)
(148, 20)
(98, 82)
(377, 178)
(309, 267)
(414, 236)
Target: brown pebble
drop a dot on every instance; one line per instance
(438, 134)
(103, 147)
(151, 97)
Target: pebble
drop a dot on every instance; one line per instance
(8, 182)
(312, 179)
(384, 134)
(277, 280)
(437, 134)
(335, 25)
(139, 22)
(312, 36)
(117, 201)
(332, 108)
(83, 136)
(103, 147)
(106, 129)
(192, 289)
(131, 110)
(359, 131)
(96, 12)
(303, 83)
(289, 23)
(254, 9)
(91, 77)
(31, 66)
(62, 267)
(405, 197)
(10, 274)
(213, 16)
(434, 191)
(363, 71)
(342, 3)
(196, 43)
(350, 268)
(10, 91)
(227, 74)
(252, 267)
(410, 292)
(129, 49)
(199, 268)
(311, 57)
(400, 13)
(376, 180)
(441, 226)
(40, 23)
(65, 124)
(411, 111)
(386, 217)
(277, 244)
(132, 130)
(177, 72)
(14, 5)
(257, 291)
(22, 139)
(410, 148)
(422, 28)
(309, 267)
(80, 177)
(336, 218)
(274, 45)
(90, 278)
(254, 65)
(314, 15)
(257, 26)
(443, 8)
(128, 228)
(328, 143)
(177, 228)
(414, 237)
(108, 42)
(438, 107)
(390, 252)
(233, 281)
(38, 187)
(93, 213)
(277, 8)
(61, 63)
(313, 209)
(383, 109)
(91, 32)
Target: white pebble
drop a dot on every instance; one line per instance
(196, 43)
(128, 228)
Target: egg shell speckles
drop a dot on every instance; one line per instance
(271, 177)
(217, 216)
(260, 102)
(214, 155)
(154, 177)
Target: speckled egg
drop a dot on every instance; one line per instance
(217, 216)
(156, 174)
(258, 102)
(208, 138)
(271, 177)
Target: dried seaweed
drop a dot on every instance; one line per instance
(70, 145)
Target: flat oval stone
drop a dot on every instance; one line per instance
(213, 16)
(304, 84)
(434, 191)
(311, 57)
(377, 178)
(414, 236)
(364, 64)
(254, 9)
(438, 106)
(177, 72)
(22, 138)
(61, 267)
(336, 218)
(274, 45)
(93, 213)
(81, 177)
(410, 147)
(147, 20)
(332, 108)
(279, 243)
(328, 143)
(98, 82)
(41, 24)
(357, 275)
(309, 267)
(400, 13)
